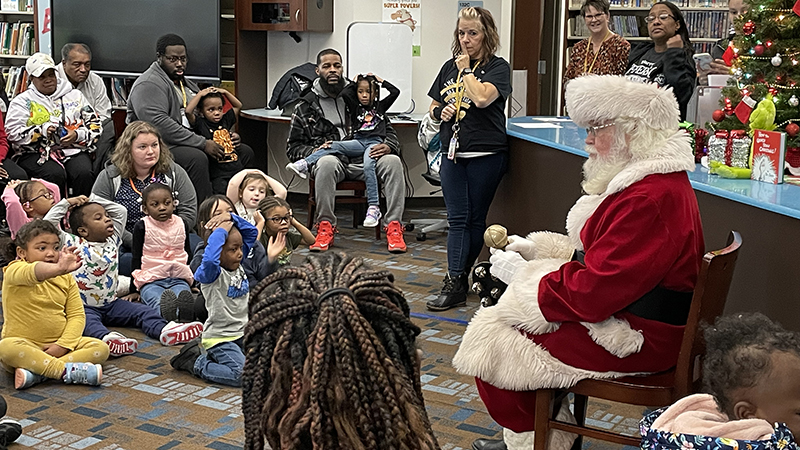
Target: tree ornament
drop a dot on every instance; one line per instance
(748, 28)
(718, 115)
(777, 60)
(744, 108)
(793, 101)
(759, 49)
(738, 73)
(792, 129)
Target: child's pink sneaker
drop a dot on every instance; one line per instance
(175, 333)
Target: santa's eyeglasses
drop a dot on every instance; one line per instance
(592, 131)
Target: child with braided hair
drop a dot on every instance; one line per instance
(219, 357)
(331, 361)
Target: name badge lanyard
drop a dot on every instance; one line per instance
(460, 89)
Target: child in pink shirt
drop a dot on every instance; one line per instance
(28, 200)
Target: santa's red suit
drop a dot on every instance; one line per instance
(551, 327)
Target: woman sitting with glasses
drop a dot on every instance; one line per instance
(604, 52)
(667, 60)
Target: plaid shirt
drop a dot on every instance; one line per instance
(310, 129)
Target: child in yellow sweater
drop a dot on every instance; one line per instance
(43, 312)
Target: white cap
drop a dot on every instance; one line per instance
(38, 63)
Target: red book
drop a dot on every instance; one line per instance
(769, 149)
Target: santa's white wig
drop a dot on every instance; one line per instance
(646, 114)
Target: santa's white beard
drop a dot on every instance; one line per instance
(599, 170)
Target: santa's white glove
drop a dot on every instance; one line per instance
(523, 246)
(505, 265)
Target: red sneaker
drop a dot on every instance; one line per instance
(394, 234)
(325, 232)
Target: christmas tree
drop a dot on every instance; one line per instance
(765, 55)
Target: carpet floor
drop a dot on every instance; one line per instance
(145, 404)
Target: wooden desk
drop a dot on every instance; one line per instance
(267, 130)
(275, 116)
(543, 182)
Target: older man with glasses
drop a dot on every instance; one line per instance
(612, 296)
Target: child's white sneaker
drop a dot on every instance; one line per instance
(119, 345)
(83, 373)
(175, 333)
(300, 167)
(24, 378)
(373, 216)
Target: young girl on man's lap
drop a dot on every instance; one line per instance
(368, 116)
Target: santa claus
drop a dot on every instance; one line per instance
(610, 298)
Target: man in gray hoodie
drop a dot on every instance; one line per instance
(160, 96)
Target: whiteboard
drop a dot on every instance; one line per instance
(383, 48)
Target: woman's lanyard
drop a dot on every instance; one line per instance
(460, 89)
(596, 55)
(152, 179)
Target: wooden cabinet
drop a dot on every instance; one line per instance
(285, 15)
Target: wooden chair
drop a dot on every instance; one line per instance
(358, 199)
(661, 389)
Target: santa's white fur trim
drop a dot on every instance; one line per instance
(674, 156)
(521, 300)
(494, 349)
(580, 212)
(504, 357)
(551, 245)
(616, 336)
(558, 440)
(594, 99)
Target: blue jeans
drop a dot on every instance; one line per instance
(468, 186)
(352, 149)
(122, 313)
(222, 363)
(151, 292)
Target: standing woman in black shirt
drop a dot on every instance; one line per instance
(667, 59)
(469, 97)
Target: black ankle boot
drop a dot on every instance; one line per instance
(454, 293)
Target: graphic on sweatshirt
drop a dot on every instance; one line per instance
(39, 114)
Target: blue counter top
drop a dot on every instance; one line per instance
(782, 199)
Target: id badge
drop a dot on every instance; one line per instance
(451, 149)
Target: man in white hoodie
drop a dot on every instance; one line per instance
(53, 129)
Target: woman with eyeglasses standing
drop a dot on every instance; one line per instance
(604, 52)
(667, 59)
(469, 96)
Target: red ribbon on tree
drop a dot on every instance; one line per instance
(700, 135)
(796, 8)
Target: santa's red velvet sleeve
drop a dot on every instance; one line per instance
(634, 242)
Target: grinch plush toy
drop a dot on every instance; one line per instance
(762, 118)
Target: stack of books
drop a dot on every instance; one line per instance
(16, 38)
(16, 80)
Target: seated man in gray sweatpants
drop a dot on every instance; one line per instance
(321, 116)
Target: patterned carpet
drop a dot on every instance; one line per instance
(145, 404)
